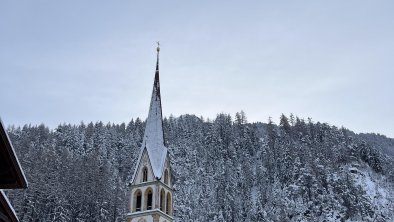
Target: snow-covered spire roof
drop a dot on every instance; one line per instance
(153, 139)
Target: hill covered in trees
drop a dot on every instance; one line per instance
(224, 170)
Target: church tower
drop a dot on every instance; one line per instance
(150, 190)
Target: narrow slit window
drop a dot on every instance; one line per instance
(144, 174)
(166, 176)
(162, 200)
(138, 201)
(168, 205)
(149, 200)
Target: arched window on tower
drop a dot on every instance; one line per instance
(166, 176)
(148, 199)
(144, 174)
(137, 200)
(162, 199)
(168, 205)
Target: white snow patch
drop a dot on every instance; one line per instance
(377, 194)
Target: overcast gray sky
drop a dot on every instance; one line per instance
(73, 61)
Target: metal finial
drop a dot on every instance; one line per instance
(158, 46)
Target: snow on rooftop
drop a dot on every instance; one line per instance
(153, 137)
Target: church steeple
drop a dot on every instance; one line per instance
(154, 123)
(154, 137)
(150, 190)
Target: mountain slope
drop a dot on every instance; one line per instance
(224, 170)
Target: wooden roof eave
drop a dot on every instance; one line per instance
(9, 154)
(6, 209)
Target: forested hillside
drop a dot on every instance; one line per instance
(224, 170)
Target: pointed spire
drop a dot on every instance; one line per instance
(156, 83)
(154, 136)
(157, 61)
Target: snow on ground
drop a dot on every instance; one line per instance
(369, 182)
(375, 188)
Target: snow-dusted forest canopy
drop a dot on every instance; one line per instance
(224, 170)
